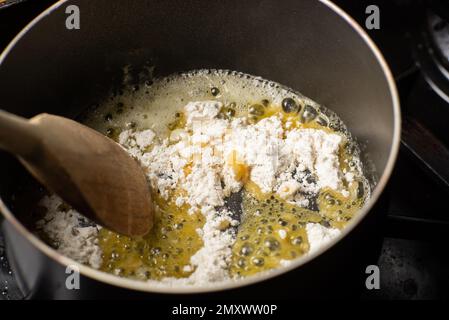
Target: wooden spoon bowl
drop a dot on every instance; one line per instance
(89, 171)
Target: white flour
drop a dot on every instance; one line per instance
(319, 235)
(71, 233)
(276, 164)
(213, 259)
(277, 161)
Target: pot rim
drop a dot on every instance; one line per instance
(228, 284)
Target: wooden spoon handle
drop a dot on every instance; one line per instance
(17, 135)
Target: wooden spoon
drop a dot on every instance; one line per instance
(89, 171)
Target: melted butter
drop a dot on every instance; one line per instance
(162, 253)
(260, 246)
(271, 229)
(240, 169)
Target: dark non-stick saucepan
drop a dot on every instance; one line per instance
(311, 46)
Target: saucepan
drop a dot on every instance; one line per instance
(58, 66)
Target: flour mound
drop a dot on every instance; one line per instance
(72, 234)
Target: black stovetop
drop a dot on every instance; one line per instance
(414, 259)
